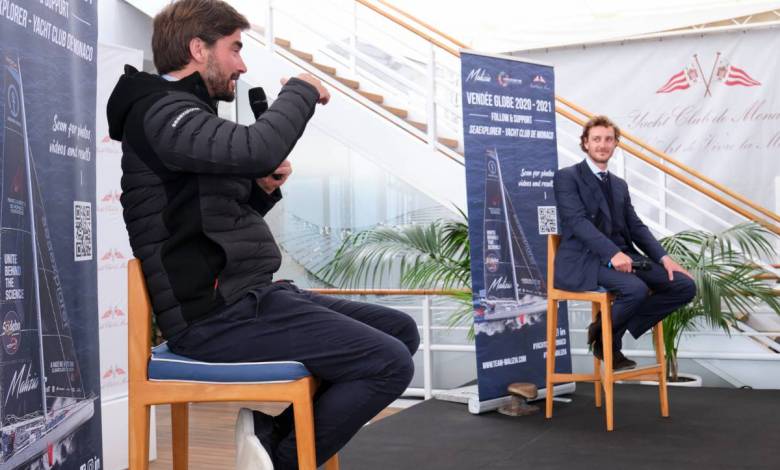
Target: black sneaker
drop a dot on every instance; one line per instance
(594, 338)
(621, 362)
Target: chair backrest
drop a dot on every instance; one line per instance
(552, 249)
(139, 323)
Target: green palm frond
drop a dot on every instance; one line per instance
(727, 279)
(426, 256)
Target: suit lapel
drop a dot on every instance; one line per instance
(592, 183)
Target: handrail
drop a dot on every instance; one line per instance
(682, 178)
(329, 291)
(422, 23)
(409, 27)
(680, 165)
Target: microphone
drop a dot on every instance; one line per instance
(640, 265)
(257, 101)
(259, 104)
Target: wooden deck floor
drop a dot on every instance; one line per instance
(211, 434)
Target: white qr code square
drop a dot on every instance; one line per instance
(82, 230)
(548, 219)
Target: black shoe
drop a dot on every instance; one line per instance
(621, 362)
(594, 338)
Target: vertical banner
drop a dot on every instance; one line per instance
(511, 156)
(49, 379)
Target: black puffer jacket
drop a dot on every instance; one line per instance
(192, 209)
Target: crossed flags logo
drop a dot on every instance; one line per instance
(722, 72)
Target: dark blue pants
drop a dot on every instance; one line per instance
(361, 352)
(634, 309)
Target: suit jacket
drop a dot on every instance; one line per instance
(586, 223)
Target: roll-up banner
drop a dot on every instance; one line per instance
(49, 364)
(511, 156)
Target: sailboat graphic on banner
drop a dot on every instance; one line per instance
(514, 285)
(42, 399)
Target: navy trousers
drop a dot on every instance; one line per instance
(362, 353)
(636, 311)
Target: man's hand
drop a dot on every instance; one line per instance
(270, 184)
(671, 266)
(621, 262)
(316, 83)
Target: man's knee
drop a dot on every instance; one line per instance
(409, 334)
(685, 288)
(399, 366)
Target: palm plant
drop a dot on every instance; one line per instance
(432, 256)
(729, 284)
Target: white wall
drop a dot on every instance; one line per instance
(121, 24)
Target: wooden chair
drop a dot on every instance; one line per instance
(145, 391)
(602, 378)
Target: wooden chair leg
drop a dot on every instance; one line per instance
(658, 340)
(303, 412)
(332, 463)
(596, 362)
(552, 326)
(180, 434)
(138, 437)
(608, 378)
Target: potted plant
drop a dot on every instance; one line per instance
(729, 283)
(430, 256)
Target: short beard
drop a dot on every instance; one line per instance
(220, 89)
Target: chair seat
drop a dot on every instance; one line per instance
(165, 365)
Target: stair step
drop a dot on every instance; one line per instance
(303, 55)
(451, 143)
(420, 125)
(378, 99)
(354, 84)
(325, 68)
(401, 113)
(282, 42)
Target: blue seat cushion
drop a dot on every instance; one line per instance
(166, 365)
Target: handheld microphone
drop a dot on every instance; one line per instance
(257, 101)
(259, 104)
(640, 265)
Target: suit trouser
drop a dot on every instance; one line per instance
(362, 353)
(634, 309)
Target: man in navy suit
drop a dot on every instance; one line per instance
(600, 234)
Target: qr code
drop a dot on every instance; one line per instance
(548, 219)
(82, 230)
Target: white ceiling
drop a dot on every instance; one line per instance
(503, 25)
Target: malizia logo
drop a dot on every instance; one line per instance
(12, 333)
(478, 75)
(540, 83)
(505, 80)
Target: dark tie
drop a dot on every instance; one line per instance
(602, 176)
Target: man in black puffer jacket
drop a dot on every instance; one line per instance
(195, 190)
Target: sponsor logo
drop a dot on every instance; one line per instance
(110, 202)
(478, 75)
(505, 80)
(722, 72)
(12, 333)
(539, 82)
(113, 317)
(112, 259)
(22, 382)
(182, 114)
(13, 100)
(113, 375)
